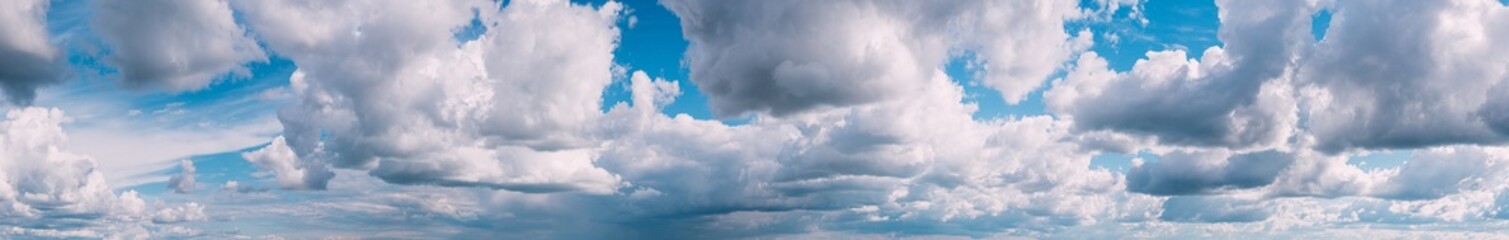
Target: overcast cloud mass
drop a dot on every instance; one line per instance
(715, 119)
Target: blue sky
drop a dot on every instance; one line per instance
(845, 119)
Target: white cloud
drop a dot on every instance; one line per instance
(385, 88)
(173, 45)
(47, 191)
(1407, 74)
(43, 185)
(287, 170)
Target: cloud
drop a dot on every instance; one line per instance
(180, 213)
(183, 182)
(854, 129)
(288, 171)
(854, 53)
(1212, 209)
(1203, 172)
(1233, 96)
(1407, 74)
(43, 187)
(173, 45)
(403, 100)
(1438, 172)
(27, 57)
(46, 191)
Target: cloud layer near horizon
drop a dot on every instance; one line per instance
(854, 126)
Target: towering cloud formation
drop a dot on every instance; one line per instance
(173, 45)
(44, 187)
(27, 58)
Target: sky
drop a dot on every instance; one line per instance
(781, 119)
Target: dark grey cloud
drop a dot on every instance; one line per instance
(173, 45)
(1205, 209)
(1185, 173)
(27, 57)
(786, 57)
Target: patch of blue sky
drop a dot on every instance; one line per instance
(965, 71)
(651, 41)
(1171, 24)
(1119, 162)
(1320, 22)
(1382, 159)
(212, 172)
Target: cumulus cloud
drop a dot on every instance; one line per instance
(43, 187)
(173, 45)
(181, 213)
(1406, 74)
(400, 97)
(287, 170)
(854, 127)
(855, 52)
(1232, 96)
(27, 57)
(183, 182)
(919, 160)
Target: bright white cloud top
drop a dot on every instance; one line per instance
(825, 119)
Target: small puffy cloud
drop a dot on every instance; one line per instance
(173, 45)
(180, 213)
(27, 57)
(288, 171)
(183, 182)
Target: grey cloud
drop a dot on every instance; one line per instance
(1184, 173)
(404, 101)
(1231, 96)
(1213, 209)
(786, 57)
(27, 57)
(173, 45)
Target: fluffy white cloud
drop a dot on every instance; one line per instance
(385, 88)
(1405, 74)
(42, 186)
(27, 57)
(286, 168)
(46, 191)
(855, 52)
(173, 45)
